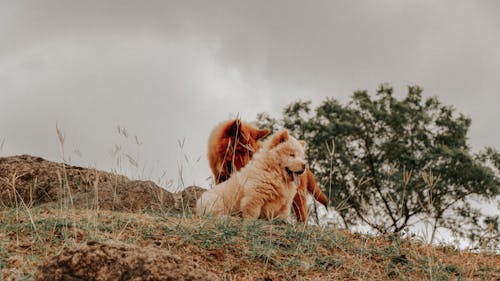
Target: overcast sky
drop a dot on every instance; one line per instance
(170, 71)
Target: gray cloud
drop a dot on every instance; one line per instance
(170, 70)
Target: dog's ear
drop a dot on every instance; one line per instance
(258, 134)
(233, 128)
(303, 143)
(279, 138)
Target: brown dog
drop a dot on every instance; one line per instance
(233, 143)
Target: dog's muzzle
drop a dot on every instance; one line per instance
(295, 175)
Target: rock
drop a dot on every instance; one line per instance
(188, 198)
(118, 261)
(33, 181)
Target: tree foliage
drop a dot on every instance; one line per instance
(388, 163)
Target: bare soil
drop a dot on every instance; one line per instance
(34, 181)
(117, 261)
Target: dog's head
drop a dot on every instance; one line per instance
(239, 141)
(291, 153)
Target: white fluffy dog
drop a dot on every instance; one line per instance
(265, 187)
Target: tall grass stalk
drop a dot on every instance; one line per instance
(26, 208)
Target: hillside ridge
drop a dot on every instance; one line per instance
(73, 223)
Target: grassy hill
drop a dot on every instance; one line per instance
(52, 216)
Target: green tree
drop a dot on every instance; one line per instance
(390, 163)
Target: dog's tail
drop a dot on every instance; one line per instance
(315, 190)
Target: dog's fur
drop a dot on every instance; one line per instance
(265, 187)
(231, 145)
(224, 158)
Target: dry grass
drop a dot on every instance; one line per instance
(235, 249)
(232, 248)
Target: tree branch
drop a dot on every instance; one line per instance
(371, 164)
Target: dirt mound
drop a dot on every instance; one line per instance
(188, 197)
(113, 261)
(37, 181)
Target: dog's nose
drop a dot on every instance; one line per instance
(301, 171)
